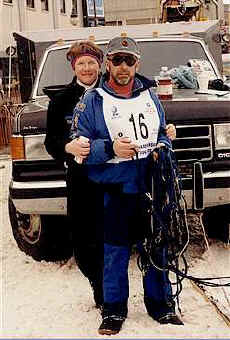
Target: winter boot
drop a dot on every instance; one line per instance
(111, 325)
(161, 311)
(170, 318)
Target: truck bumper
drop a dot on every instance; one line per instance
(49, 197)
(43, 198)
(202, 190)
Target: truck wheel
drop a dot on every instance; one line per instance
(43, 237)
(216, 222)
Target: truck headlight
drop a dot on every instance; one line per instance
(222, 136)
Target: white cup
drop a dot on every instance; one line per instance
(83, 139)
(203, 79)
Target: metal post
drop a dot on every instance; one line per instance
(73, 15)
(10, 69)
(95, 13)
(220, 9)
(21, 15)
(76, 17)
(55, 14)
(80, 12)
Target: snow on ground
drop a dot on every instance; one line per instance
(51, 300)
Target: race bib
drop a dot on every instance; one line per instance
(136, 118)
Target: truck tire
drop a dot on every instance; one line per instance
(43, 237)
(216, 222)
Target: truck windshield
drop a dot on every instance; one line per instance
(57, 70)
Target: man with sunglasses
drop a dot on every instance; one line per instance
(124, 122)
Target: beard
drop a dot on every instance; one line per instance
(124, 80)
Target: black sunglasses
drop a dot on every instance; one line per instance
(117, 60)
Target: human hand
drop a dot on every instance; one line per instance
(155, 154)
(170, 131)
(124, 148)
(78, 147)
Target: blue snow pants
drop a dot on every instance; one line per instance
(125, 223)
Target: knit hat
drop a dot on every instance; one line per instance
(123, 45)
(84, 48)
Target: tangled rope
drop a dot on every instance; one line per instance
(168, 236)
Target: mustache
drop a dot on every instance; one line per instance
(87, 73)
(123, 74)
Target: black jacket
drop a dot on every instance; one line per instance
(85, 199)
(63, 99)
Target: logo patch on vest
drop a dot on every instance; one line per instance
(125, 43)
(115, 113)
(76, 120)
(81, 106)
(149, 108)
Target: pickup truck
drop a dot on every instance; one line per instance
(37, 190)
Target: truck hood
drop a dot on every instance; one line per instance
(32, 118)
(186, 106)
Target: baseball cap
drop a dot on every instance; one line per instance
(123, 45)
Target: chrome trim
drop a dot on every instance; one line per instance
(42, 206)
(192, 149)
(197, 125)
(218, 174)
(58, 206)
(35, 148)
(62, 183)
(212, 197)
(55, 206)
(191, 137)
(38, 185)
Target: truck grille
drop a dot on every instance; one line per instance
(193, 142)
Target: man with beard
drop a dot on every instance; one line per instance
(124, 121)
